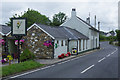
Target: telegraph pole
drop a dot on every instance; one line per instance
(99, 32)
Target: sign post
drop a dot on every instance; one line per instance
(18, 30)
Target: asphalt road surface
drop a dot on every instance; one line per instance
(100, 64)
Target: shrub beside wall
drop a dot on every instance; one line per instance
(26, 55)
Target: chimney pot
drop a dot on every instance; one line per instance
(73, 12)
(99, 26)
(73, 9)
(88, 20)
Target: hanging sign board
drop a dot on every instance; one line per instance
(19, 27)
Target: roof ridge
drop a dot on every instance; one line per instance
(87, 23)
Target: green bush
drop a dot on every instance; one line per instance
(26, 55)
(102, 38)
(118, 36)
(23, 66)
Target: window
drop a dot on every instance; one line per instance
(57, 42)
(62, 43)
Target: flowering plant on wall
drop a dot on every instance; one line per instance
(2, 42)
(4, 60)
(21, 42)
(47, 43)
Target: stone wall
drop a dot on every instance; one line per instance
(34, 42)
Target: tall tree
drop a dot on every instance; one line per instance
(118, 36)
(32, 17)
(58, 19)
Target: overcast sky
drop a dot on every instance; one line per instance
(105, 10)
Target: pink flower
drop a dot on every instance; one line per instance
(16, 42)
(2, 41)
(22, 41)
(47, 43)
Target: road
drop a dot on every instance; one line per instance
(100, 64)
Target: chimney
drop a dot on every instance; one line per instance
(88, 20)
(99, 26)
(95, 21)
(73, 13)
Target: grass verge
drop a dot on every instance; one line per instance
(16, 68)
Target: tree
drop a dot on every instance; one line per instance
(102, 38)
(118, 36)
(58, 19)
(32, 17)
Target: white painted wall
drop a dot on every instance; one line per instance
(77, 24)
(60, 49)
(81, 45)
(82, 27)
(96, 36)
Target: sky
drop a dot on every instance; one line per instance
(105, 10)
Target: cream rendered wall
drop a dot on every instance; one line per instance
(60, 49)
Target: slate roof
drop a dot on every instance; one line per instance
(4, 29)
(77, 34)
(63, 32)
(88, 24)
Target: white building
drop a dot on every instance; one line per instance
(86, 29)
(74, 33)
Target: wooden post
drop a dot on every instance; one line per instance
(9, 62)
(99, 32)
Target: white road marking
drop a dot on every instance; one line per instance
(114, 51)
(108, 55)
(52, 65)
(76, 57)
(68, 60)
(32, 71)
(73, 59)
(65, 61)
(101, 59)
(60, 63)
(87, 69)
(29, 72)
